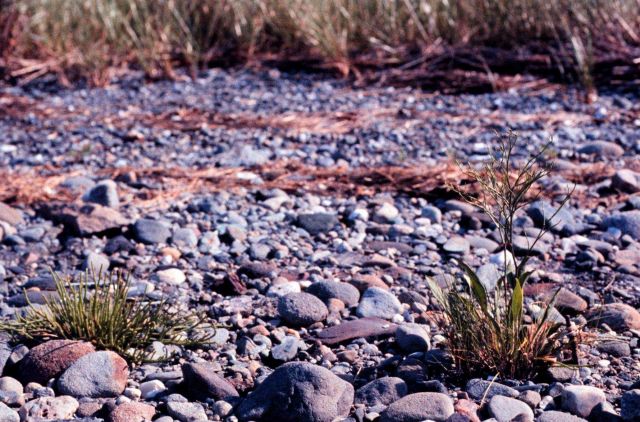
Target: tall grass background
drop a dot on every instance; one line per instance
(89, 37)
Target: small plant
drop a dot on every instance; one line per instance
(487, 333)
(96, 307)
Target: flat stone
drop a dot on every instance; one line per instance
(557, 416)
(566, 301)
(602, 149)
(317, 223)
(49, 408)
(581, 399)
(615, 348)
(186, 412)
(10, 215)
(202, 382)
(363, 281)
(504, 409)
(349, 330)
(418, 407)
(90, 219)
(50, 359)
(382, 391)
(132, 412)
(618, 316)
(97, 374)
(477, 388)
(456, 245)
(298, 391)
(172, 276)
(378, 303)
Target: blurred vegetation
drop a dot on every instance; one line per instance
(88, 37)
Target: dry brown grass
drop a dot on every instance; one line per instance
(91, 38)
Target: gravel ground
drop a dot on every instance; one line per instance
(218, 193)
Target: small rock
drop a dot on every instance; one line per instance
(628, 222)
(456, 245)
(202, 382)
(386, 213)
(602, 149)
(10, 215)
(318, 222)
(186, 412)
(627, 181)
(287, 350)
(132, 412)
(581, 399)
(504, 409)
(49, 408)
(151, 389)
(103, 193)
(378, 303)
(418, 407)
(151, 231)
(414, 337)
(301, 309)
(382, 391)
(363, 281)
(96, 262)
(477, 388)
(326, 290)
(172, 276)
(97, 374)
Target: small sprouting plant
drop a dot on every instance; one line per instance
(487, 333)
(96, 307)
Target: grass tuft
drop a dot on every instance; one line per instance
(96, 307)
(487, 332)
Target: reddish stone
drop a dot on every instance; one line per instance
(132, 412)
(363, 327)
(50, 359)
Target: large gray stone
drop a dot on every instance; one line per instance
(378, 303)
(419, 407)
(98, 374)
(556, 416)
(318, 222)
(581, 399)
(382, 391)
(298, 391)
(504, 409)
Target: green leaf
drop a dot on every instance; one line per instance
(476, 286)
(517, 300)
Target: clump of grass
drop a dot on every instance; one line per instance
(488, 334)
(96, 307)
(89, 37)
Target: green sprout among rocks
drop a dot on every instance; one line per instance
(96, 307)
(487, 332)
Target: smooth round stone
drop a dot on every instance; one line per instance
(7, 414)
(581, 399)
(456, 245)
(414, 337)
(48, 408)
(380, 303)
(301, 309)
(326, 290)
(418, 407)
(151, 389)
(173, 276)
(98, 374)
(186, 412)
(504, 409)
(151, 231)
(96, 262)
(382, 391)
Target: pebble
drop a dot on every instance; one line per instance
(326, 290)
(186, 412)
(202, 382)
(151, 231)
(505, 409)
(151, 389)
(581, 399)
(418, 407)
(50, 359)
(301, 309)
(97, 374)
(414, 337)
(382, 391)
(49, 408)
(378, 303)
